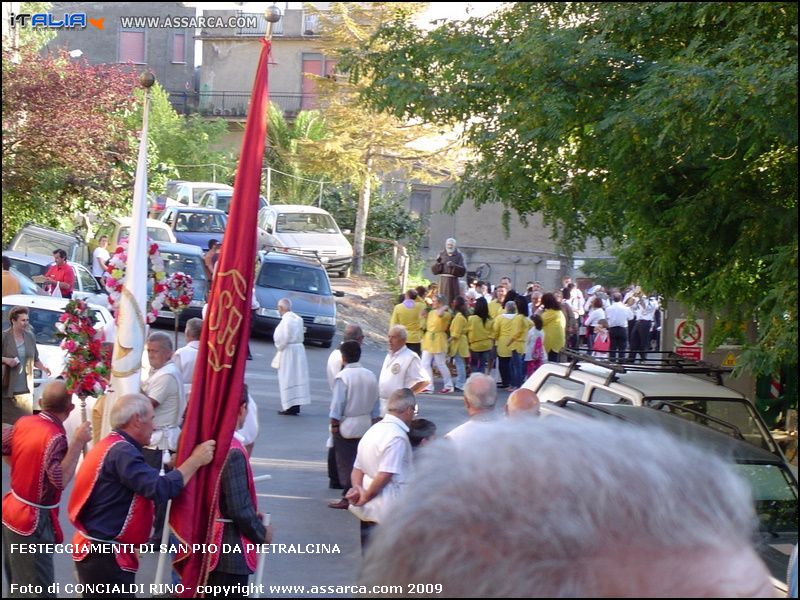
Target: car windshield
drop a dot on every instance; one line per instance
(296, 278)
(185, 263)
(200, 223)
(775, 495)
(30, 241)
(157, 234)
(306, 223)
(43, 323)
(736, 413)
(28, 269)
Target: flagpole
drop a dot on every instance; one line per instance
(126, 363)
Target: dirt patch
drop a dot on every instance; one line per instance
(368, 303)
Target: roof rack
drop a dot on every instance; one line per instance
(304, 253)
(661, 362)
(675, 406)
(569, 399)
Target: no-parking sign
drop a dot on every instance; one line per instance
(689, 338)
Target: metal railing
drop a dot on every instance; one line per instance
(232, 104)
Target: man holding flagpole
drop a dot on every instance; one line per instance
(221, 360)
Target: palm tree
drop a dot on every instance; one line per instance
(292, 183)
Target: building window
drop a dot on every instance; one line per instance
(179, 48)
(131, 46)
(315, 64)
(310, 24)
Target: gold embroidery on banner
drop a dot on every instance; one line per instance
(226, 321)
(121, 357)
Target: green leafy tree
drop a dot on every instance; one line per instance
(288, 145)
(181, 147)
(669, 129)
(362, 143)
(65, 146)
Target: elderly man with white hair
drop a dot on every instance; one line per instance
(383, 464)
(515, 512)
(450, 266)
(111, 505)
(402, 368)
(480, 397)
(290, 360)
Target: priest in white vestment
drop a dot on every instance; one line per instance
(290, 360)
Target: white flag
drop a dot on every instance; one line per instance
(126, 363)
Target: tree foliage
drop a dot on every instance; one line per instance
(288, 151)
(669, 129)
(65, 148)
(180, 147)
(362, 143)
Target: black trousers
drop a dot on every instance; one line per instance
(619, 342)
(103, 568)
(504, 366)
(346, 450)
(333, 472)
(640, 340)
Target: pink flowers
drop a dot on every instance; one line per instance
(87, 369)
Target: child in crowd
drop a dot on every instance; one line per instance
(534, 346)
(602, 340)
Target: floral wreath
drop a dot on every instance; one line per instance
(180, 291)
(115, 278)
(87, 365)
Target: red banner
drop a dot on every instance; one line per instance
(219, 375)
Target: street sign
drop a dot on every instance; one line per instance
(689, 338)
(554, 265)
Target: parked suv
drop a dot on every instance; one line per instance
(188, 193)
(773, 484)
(308, 231)
(305, 282)
(691, 390)
(40, 239)
(221, 199)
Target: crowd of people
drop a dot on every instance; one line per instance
(516, 332)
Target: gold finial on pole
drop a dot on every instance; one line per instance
(272, 15)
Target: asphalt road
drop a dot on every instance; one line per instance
(292, 450)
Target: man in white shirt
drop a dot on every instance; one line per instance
(480, 397)
(618, 316)
(402, 368)
(164, 388)
(186, 357)
(290, 360)
(383, 464)
(100, 257)
(354, 409)
(351, 332)
(355, 333)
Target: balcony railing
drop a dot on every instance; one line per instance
(261, 28)
(234, 104)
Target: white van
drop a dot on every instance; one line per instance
(309, 231)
